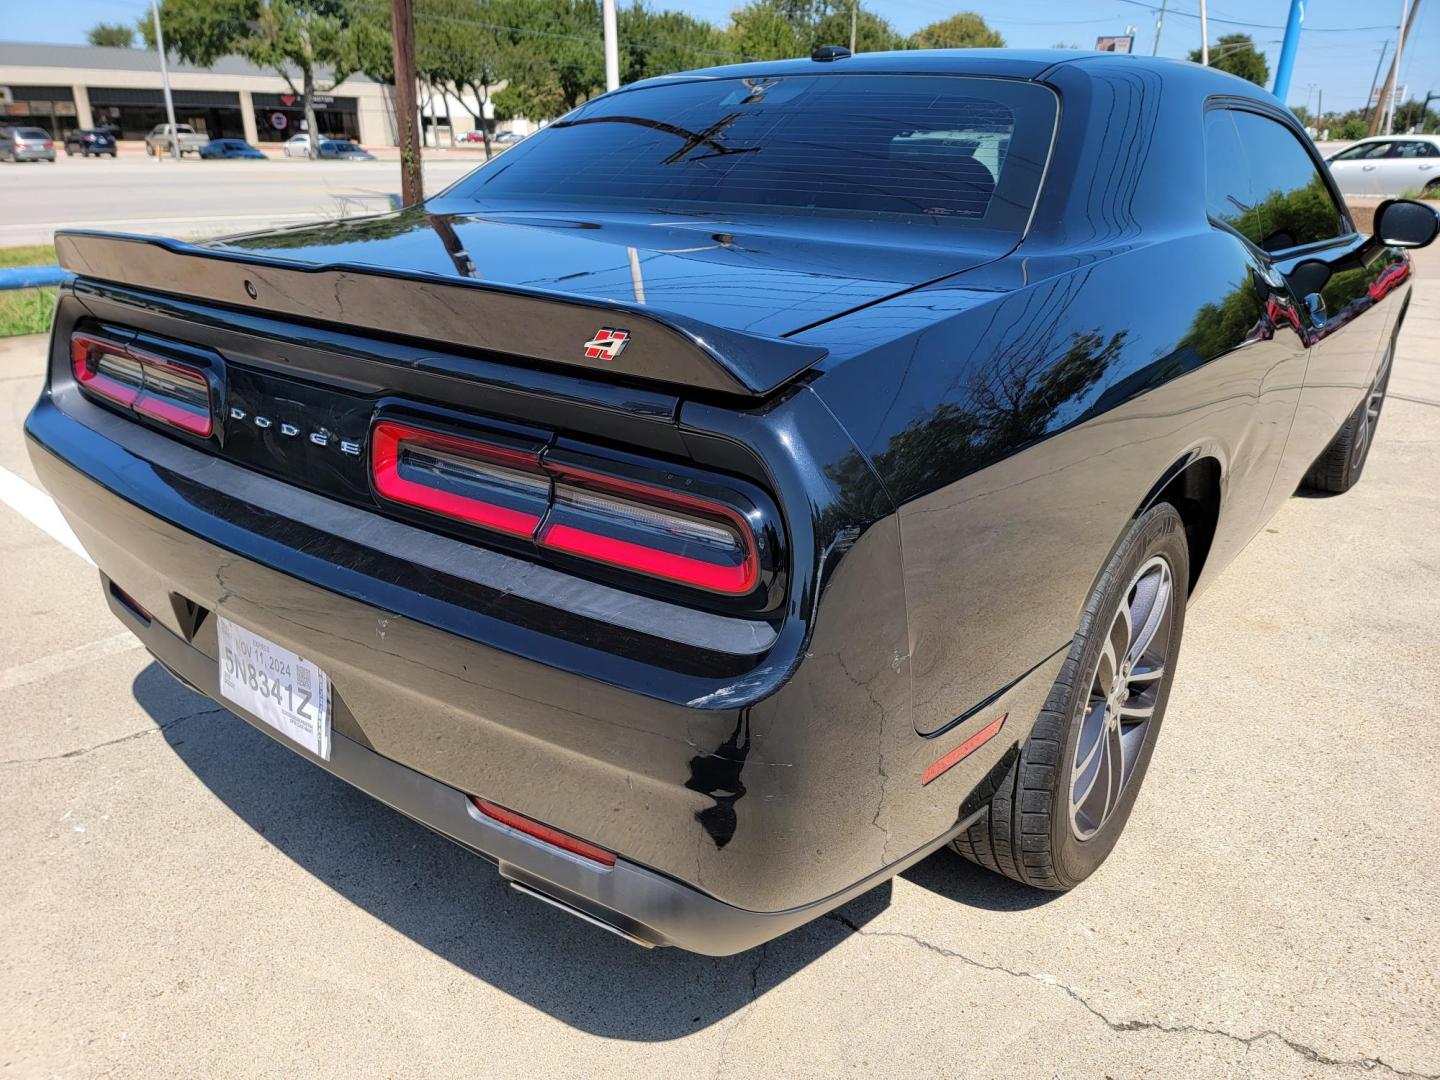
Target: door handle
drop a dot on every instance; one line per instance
(1367, 168)
(1315, 306)
(1424, 168)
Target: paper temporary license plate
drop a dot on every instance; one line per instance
(288, 692)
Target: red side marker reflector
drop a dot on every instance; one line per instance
(543, 833)
(964, 750)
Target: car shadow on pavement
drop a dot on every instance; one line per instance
(454, 904)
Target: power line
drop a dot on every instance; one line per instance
(1255, 25)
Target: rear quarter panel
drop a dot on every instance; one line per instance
(1020, 421)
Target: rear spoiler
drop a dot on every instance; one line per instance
(512, 320)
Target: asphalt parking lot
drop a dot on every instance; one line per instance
(183, 896)
(193, 198)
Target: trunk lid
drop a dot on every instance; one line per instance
(757, 275)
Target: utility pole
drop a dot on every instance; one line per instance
(1288, 48)
(854, 23)
(612, 45)
(1372, 100)
(1204, 36)
(1407, 13)
(165, 82)
(1388, 90)
(1159, 26)
(402, 27)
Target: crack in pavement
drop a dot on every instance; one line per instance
(740, 1017)
(1307, 1052)
(112, 742)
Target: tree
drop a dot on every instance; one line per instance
(1353, 127)
(1236, 53)
(766, 30)
(872, 33)
(1410, 117)
(965, 30)
(293, 38)
(661, 42)
(111, 35)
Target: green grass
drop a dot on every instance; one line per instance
(26, 311)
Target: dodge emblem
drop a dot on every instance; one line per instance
(607, 344)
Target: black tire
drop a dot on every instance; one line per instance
(1339, 468)
(1026, 832)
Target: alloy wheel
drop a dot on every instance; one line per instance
(1124, 690)
(1371, 414)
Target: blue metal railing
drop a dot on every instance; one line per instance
(31, 277)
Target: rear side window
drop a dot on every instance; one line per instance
(946, 150)
(1415, 150)
(1290, 204)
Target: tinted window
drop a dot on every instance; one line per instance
(1229, 191)
(32, 133)
(1363, 151)
(1414, 150)
(1293, 202)
(940, 149)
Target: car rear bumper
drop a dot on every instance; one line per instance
(731, 824)
(27, 154)
(627, 899)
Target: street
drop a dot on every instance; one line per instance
(184, 896)
(194, 199)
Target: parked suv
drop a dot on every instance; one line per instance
(158, 141)
(26, 144)
(89, 141)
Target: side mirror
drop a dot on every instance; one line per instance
(1406, 224)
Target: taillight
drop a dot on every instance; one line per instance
(494, 487)
(652, 531)
(669, 535)
(155, 386)
(543, 832)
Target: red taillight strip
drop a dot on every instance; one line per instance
(662, 564)
(964, 750)
(544, 833)
(142, 399)
(385, 443)
(733, 580)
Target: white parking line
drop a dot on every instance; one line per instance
(39, 509)
(68, 660)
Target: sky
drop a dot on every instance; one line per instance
(1339, 48)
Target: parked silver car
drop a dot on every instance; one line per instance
(1389, 166)
(26, 144)
(158, 141)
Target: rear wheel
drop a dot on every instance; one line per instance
(1338, 469)
(1060, 809)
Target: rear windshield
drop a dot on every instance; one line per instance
(942, 149)
(32, 133)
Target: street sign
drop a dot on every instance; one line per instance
(1122, 43)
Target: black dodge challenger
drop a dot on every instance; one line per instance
(751, 483)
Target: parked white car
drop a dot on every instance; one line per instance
(298, 145)
(1389, 165)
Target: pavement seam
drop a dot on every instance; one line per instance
(1415, 400)
(1306, 1052)
(113, 742)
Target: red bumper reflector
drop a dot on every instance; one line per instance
(964, 750)
(543, 833)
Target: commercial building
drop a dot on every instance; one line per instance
(62, 87)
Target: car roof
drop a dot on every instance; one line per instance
(1397, 137)
(1029, 64)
